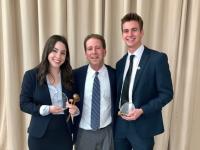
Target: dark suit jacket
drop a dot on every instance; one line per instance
(32, 97)
(151, 91)
(80, 77)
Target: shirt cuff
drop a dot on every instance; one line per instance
(44, 110)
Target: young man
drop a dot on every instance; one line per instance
(95, 84)
(146, 83)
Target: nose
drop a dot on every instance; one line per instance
(130, 33)
(58, 55)
(94, 50)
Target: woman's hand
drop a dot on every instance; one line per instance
(73, 109)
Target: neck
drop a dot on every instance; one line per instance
(96, 67)
(54, 76)
(133, 49)
(54, 71)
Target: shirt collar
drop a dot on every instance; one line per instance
(92, 71)
(138, 52)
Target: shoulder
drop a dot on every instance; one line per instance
(155, 54)
(153, 51)
(29, 79)
(32, 73)
(80, 72)
(80, 69)
(121, 60)
(110, 68)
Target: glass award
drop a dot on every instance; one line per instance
(60, 99)
(126, 108)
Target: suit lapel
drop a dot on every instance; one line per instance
(141, 67)
(112, 86)
(120, 73)
(81, 83)
(82, 79)
(43, 91)
(110, 75)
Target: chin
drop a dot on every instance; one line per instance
(56, 66)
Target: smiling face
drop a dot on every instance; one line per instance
(132, 35)
(57, 56)
(95, 53)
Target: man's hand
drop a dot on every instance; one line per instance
(133, 115)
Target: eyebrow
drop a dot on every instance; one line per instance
(59, 49)
(130, 28)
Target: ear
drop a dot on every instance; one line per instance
(85, 54)
(105, 51)
(142, 32)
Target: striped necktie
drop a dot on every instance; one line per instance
(95, 112)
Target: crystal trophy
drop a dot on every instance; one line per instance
(60, 99)
(126, 108)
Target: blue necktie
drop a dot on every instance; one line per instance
(95, 112)
(125, 89)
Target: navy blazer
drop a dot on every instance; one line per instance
(32, 97)
(80, 77)
(152, 90)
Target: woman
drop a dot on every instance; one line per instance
(41, 88)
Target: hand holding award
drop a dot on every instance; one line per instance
(126, 108)
(73, 101)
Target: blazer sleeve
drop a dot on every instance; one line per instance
(27, 103)
(163, 84)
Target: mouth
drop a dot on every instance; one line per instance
(94, 57)
(132, 39)
(57, 61)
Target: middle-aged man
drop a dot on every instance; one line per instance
(143, 78)
(95, 83)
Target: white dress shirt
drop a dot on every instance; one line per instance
(105, 99)
(56, 98)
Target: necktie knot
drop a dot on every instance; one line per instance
(131, 59)
(96, 74)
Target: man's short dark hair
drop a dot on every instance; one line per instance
(95, 36)
(132, 17)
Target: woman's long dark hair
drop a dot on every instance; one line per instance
(66, 69)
